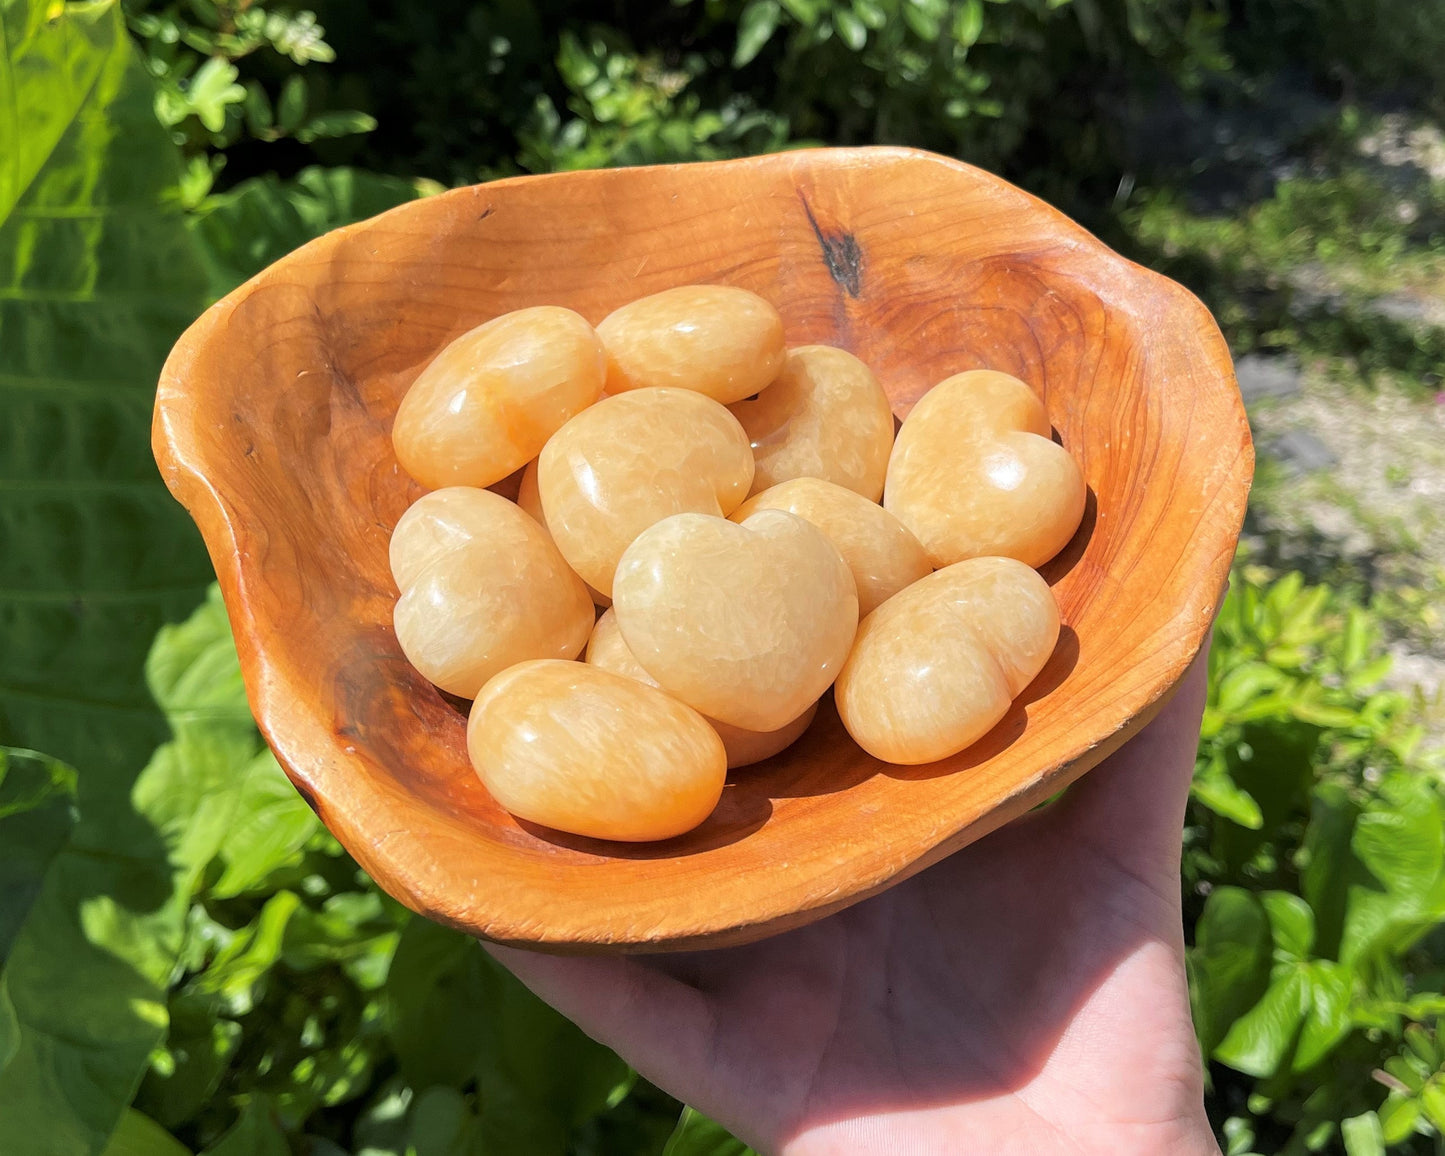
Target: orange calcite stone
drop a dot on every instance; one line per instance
(747, 623)
(632, 460)
(489, 401)
(935, 667)
(974, 473)
(883, 556)
(608, 649)
(721, 341)
(583, 750)
(825, 417)
(482, 588)
(530, 499)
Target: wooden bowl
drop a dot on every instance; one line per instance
(272, 427)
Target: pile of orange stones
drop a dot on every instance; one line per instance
(753, 532)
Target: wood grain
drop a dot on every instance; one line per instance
(272, 424)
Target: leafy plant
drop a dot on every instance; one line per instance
(1317, 847)
(196, 50)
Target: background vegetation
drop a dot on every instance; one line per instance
(189, 963)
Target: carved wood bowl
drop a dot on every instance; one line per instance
(272, 427)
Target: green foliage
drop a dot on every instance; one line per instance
(1317, 846)
(197, 50)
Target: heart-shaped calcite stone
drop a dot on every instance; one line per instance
(717, 339)
(609, 650)
(529, 498)
(489, 401)
(974, 473)
(747, 623)
(937, 665)
(883, 556)
(482, 587)
(825, 417)
(584, 750)
(632, 460)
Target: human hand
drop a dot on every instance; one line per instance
(1026, 995)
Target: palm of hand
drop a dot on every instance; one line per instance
(1025, 995)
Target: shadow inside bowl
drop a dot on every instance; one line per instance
(739, 813)
(1066, 559)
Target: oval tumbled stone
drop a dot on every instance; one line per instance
(719, 340)
(489, 401)
(583, 750)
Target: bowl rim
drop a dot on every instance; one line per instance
(420, 884)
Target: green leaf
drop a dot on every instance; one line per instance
(1432, 1102)
(291, 105)
(1301, 1018)
(1363, 1135)
(139, 1135)
(852, 31)
(1259, 1042)
(212, 90)
(968, 23)
(262, 220)
(1291, 923)
(1398, 1116)
(1326, 1016)
(272, 825)
(1216, 790)
(696, 1135)
(1229, 964)
(805, 12)
(37, 812)
(756, 25)
(256, 1133)
(335, 124)
(1399, 845)
(436, 990)
(442, 1124)
(1245, 683)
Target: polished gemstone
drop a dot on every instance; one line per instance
(747, 623)
(632, 460)
(482, 587)
(825, 417)
(974, 473)
(489, 401)
(721, 341)
(936, 666)
(584, 750)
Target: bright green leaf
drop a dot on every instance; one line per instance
(1229, 963)
(138, 1135)
(696, 1135)
(1259, 1042)
(852, 31)
(212, 90)
(1291, 923)
(968, 23)
(1216, 790)
(1363, 1135)
(756, 25)
(1398, 1116)
(1326, 1013)
(335, 124)
(1432, 1102)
